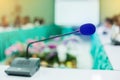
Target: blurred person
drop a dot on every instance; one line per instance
(5, 24)
(17, 22)
(42, 21)
(38, 22)
(107, 27)
(26, 24)
(116, 30)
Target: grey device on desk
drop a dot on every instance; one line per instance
(23, 67)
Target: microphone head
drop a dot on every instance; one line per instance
(87, 29)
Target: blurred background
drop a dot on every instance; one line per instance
(25, 21)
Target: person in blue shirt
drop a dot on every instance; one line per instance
(105, 29)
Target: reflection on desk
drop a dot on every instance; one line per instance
(112, 51)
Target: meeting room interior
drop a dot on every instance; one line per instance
(59, 39)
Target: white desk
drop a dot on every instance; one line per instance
(113, 52)
(64, 74)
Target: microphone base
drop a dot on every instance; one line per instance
(23, 67)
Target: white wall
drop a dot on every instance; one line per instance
(76, 12)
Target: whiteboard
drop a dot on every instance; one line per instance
(76, 12)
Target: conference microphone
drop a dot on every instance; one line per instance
(28, 66)
(86, 29)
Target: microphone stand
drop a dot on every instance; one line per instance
(28, 66)
(27, 50)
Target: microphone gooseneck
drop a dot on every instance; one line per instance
(86, 29)
(27, 50)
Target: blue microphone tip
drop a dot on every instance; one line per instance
(87, 29)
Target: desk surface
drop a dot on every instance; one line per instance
(113, 52)
(64, 74)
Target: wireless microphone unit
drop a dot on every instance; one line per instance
(28, 66)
